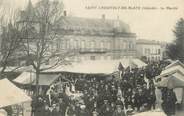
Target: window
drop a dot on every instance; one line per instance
(159, 58)
(158, 51)
(71, 43)
(75, 44)
(108, 45)
(58, 47)
(102, 45)
(92, 44)
(108, 57)
(63, 44)
(147, 51)
(92, 58)
(121, 44)
(127, 45)
(67, 44)
(83, 44)
(102, 58)
(124, 45)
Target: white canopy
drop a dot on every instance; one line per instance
(172, 70)
(175, 63)
(30, 78)
(10, 94)
(138, 63)
(18, 69)
(96, 66)
(172, 81)
(3, 112)
(25, 78)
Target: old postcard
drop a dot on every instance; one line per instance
(91, 57)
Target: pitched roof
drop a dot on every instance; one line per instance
(144, 41)
(80, 23)
(30, 78)
(10, 94)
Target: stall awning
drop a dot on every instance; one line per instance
(138, 63)
(30, 78)
(10, 94)
(175, 63)
(25, 78)
(94, 67)
(173, 81)
(47, 79)
(172, 70)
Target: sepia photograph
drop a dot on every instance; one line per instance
(91, 58)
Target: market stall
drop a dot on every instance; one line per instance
(10, 94)
(27, 81)
(173, 78)
(98, 66)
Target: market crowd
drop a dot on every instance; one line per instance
(133, 92)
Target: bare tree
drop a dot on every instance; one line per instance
(41, 37)
(10, 41)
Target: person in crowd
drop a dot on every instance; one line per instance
(107, 112)
(56, 110)
(139, 99)
(151, 100)
(71, 111)
(62, 106)
(39, 107)
(83, 111)
(170, 102)
(95, 112)
(119, 112)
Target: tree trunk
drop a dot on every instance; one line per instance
(37, 82)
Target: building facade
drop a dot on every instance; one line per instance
(149, 49)
(91, 39)
(95, 39)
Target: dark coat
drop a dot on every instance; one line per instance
(122, 113)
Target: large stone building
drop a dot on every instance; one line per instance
(150, 49)
(92, 39)
(96, 39)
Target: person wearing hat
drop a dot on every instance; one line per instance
(151, 99)
(56, 110)
(129, 110)
(128, 97)
(95, 112)
(39, 107)
(62, 106)
(119, 102)
(71, 111)
(138, 99)
(113, 94)
(107, 112)
(113, 106)
(103, 107)
(47, 111)
(83, 111)
(119, 111)
(145, 94)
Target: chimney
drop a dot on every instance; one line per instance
(103, 16)
(65, 13)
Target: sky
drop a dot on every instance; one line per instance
(155, 23)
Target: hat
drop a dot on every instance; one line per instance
(82, 106)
